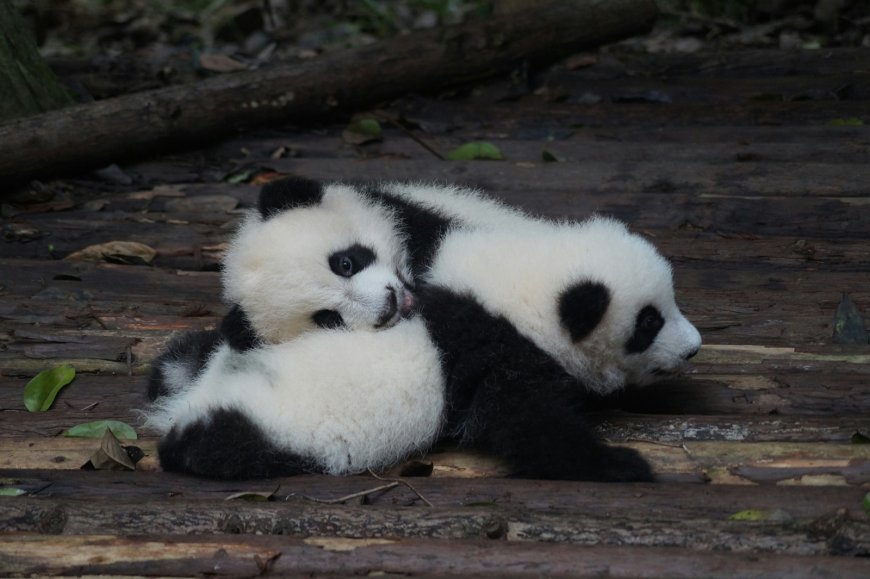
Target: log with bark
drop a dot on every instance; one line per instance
(252, 556)
(88, 135)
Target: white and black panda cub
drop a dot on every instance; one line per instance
(530, 315)
(304, 260)
(275, 391)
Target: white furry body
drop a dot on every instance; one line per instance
(347, 401)
(276, 269)
(519, 271)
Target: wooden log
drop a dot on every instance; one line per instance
(670, 501)
(110, 130)
(776, 532)
(254, 556)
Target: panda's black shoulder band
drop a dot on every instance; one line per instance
(289, 193)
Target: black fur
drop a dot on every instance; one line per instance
(581, 308)
(289, 193)
(423, 229)
(237, 329)
(358, 256)
(508, 397)
(193, 348)
(328, 319)
(227, 445)
(647, 326)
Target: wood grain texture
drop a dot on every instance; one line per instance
(760, 204)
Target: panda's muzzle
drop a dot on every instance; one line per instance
(399, 304)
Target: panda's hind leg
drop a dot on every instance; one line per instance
(226, 444)
(531, 426)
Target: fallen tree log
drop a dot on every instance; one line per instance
(771, 532)
(251, 556)
(99, 133)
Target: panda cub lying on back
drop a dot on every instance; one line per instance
(302, 261)
(274, 390)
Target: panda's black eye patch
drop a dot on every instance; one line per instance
(581, 308)
(647, 326)
(351, 261)
(328, 319)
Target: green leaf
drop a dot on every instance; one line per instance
(548, 157)
(12, 492)
(40, 392)
(475, 151)
(750, 515)
(362, 130)
(240, 177)
(859, 438)
(849, 122)
(867, 504)
(98, 428)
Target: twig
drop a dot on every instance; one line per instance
(395, 122)
(404, 482)
(346, 498)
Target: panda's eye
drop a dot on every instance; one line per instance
(345, 266)
(647, 325)
(650, 321)
(351, 261)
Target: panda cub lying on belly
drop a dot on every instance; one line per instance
(275, 390)
(532, 314)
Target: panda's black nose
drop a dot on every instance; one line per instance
(692, 354)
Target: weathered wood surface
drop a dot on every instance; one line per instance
(716, 462)
(253, 556)
(761, 204)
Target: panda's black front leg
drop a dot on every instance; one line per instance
(530, 424)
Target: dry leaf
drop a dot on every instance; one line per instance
(253, 496)
(111, 455)
(116, 249)
(581, 61)
(220, 63)
(202, 203)
(344, 544)
(158, 191)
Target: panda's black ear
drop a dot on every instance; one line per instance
(582, 306)
(289, 193)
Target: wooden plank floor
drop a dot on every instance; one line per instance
(751, 172)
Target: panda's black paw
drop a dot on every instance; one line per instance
(624, 465)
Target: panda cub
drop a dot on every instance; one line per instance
(274, 391)
(532, 316)
(306, 259)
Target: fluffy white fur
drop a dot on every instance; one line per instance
(347, 400)
(519, 272)
(469, 207)
(277, 270)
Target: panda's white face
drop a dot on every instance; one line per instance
(335, 262)
(595, 297)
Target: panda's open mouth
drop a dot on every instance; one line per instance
(399, 304)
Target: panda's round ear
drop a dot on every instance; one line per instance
(289, 193)
(582, 306)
